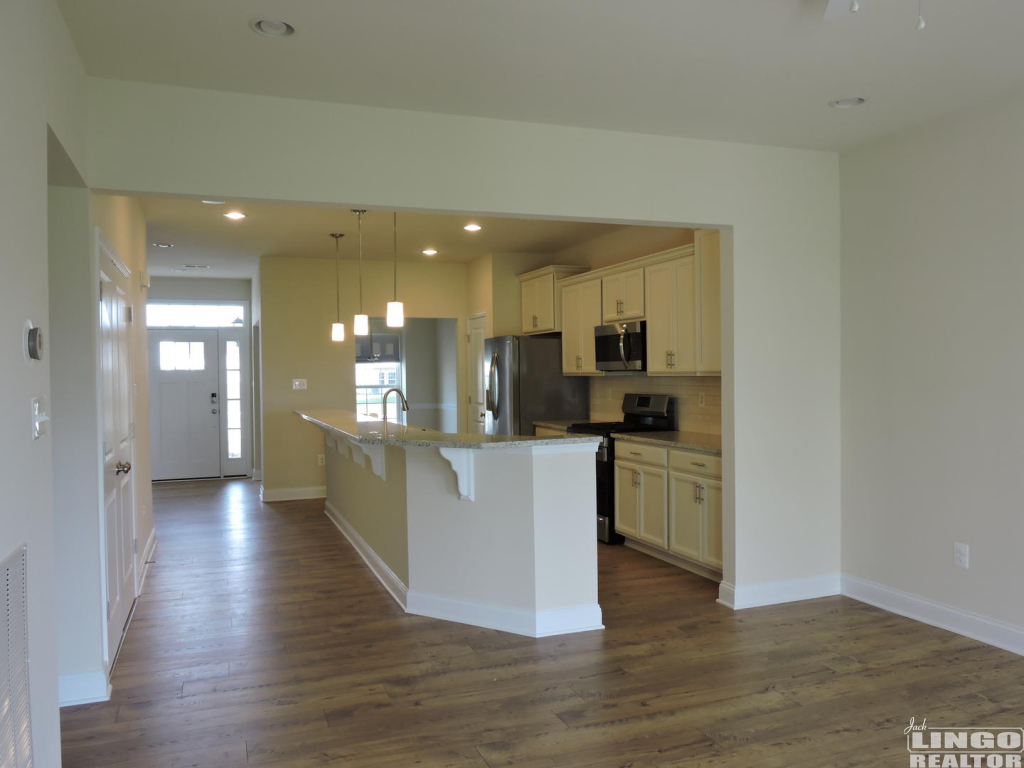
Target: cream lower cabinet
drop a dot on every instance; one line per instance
(641, 502)
(581, 313)
(676, 511)
(695, 518)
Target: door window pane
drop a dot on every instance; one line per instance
(232, 359)
(234, 443)
(182, 356)
(234, 385)
(234, 414)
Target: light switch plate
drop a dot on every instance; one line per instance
(298, 384)
(39, 417)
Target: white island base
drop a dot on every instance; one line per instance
(497, 532)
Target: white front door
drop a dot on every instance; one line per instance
(118, 488)
(186, 404)
(477, 374)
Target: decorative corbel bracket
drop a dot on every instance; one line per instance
(361, 452)
(463, 462)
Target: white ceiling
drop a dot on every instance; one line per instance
(758, 71)
(201, 235)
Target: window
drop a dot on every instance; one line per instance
(195, 315)
(372, 381)
(233, 369)
(182, 356)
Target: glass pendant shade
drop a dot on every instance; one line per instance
(337, 331)
(396, 314)
(361, 325)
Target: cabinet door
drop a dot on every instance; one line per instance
(571, 325)
(590, 318)
(684, 357)
(627, 510)
(712, 544)
(709, 301)
(685, 516)
(611, 299)
(545, 304)
(632, 294)
(661, 317)
(529, 305)
(653, 506)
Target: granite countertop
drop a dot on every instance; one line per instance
(562, 424)
(710, 445)
(346, 423)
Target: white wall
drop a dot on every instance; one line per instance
(41, 82)
(933, 360)
(780, 262)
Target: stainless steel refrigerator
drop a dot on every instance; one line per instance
(525, 384)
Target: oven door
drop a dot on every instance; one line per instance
(621, 346)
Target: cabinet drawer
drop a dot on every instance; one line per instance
(645, 454)
(687, 461)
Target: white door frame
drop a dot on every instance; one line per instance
(245, 340)
(473, 424)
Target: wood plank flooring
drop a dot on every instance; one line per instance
(262, 639)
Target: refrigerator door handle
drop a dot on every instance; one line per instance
(492, 388)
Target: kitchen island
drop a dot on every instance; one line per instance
(494, 531)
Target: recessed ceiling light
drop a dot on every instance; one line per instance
(272, 27)
(472, 227)
(214, 202)
(196, 266)
(235, 215)
(178, 270)
(847, 103)
(429, 252)
(164, 245)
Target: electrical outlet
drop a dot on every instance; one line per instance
(703, 402)
(298, 383)
(321, 460)
(961, 555)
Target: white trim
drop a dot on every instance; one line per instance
(776, 592)
(705, 571)
(293, 494)
(257, 474)
(519, 621)
(108, 250)
(142, 565)
(84, 688)
(1000, 634)
(378, 567)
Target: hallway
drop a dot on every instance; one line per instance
(262, 639)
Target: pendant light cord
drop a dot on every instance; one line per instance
(337, 275)
(396, 255)
(360, 215)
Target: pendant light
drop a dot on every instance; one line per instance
(361, 323)
(338, 327)
(396, 310)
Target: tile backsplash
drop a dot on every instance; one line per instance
(606, 398)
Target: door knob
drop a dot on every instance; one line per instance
(213, 410)
(122, 468)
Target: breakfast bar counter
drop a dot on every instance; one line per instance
(495, 531)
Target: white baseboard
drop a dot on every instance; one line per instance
(775, 592)
(147, 555)
(559, 621)
(257, 474)
(380, 569)
(293, 494)
(1000, 634)
(84, 688)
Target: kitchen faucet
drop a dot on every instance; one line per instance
(401, 397)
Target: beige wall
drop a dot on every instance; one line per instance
(780, 251)
(200, 288)
(298, 307)
(375, 508)
(933, 360)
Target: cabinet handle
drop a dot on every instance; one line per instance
(700, 493)
(698, 463)
(696, 492)
(634, 453)
(636, 479)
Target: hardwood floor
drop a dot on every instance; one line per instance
(262, 639)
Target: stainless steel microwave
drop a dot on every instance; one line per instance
(621, 346)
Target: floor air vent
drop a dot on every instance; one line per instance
(15, 720)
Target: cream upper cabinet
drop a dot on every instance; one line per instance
(541, 300)
(581, 313)
(671, 317)
(623, 296)
(709, 300)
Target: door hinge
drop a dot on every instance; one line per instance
(108, 610)
(130, 314)
(135, 546)
(101, 290)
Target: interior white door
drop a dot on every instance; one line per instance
(118, 489)
(477, 374)
(185, 404)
